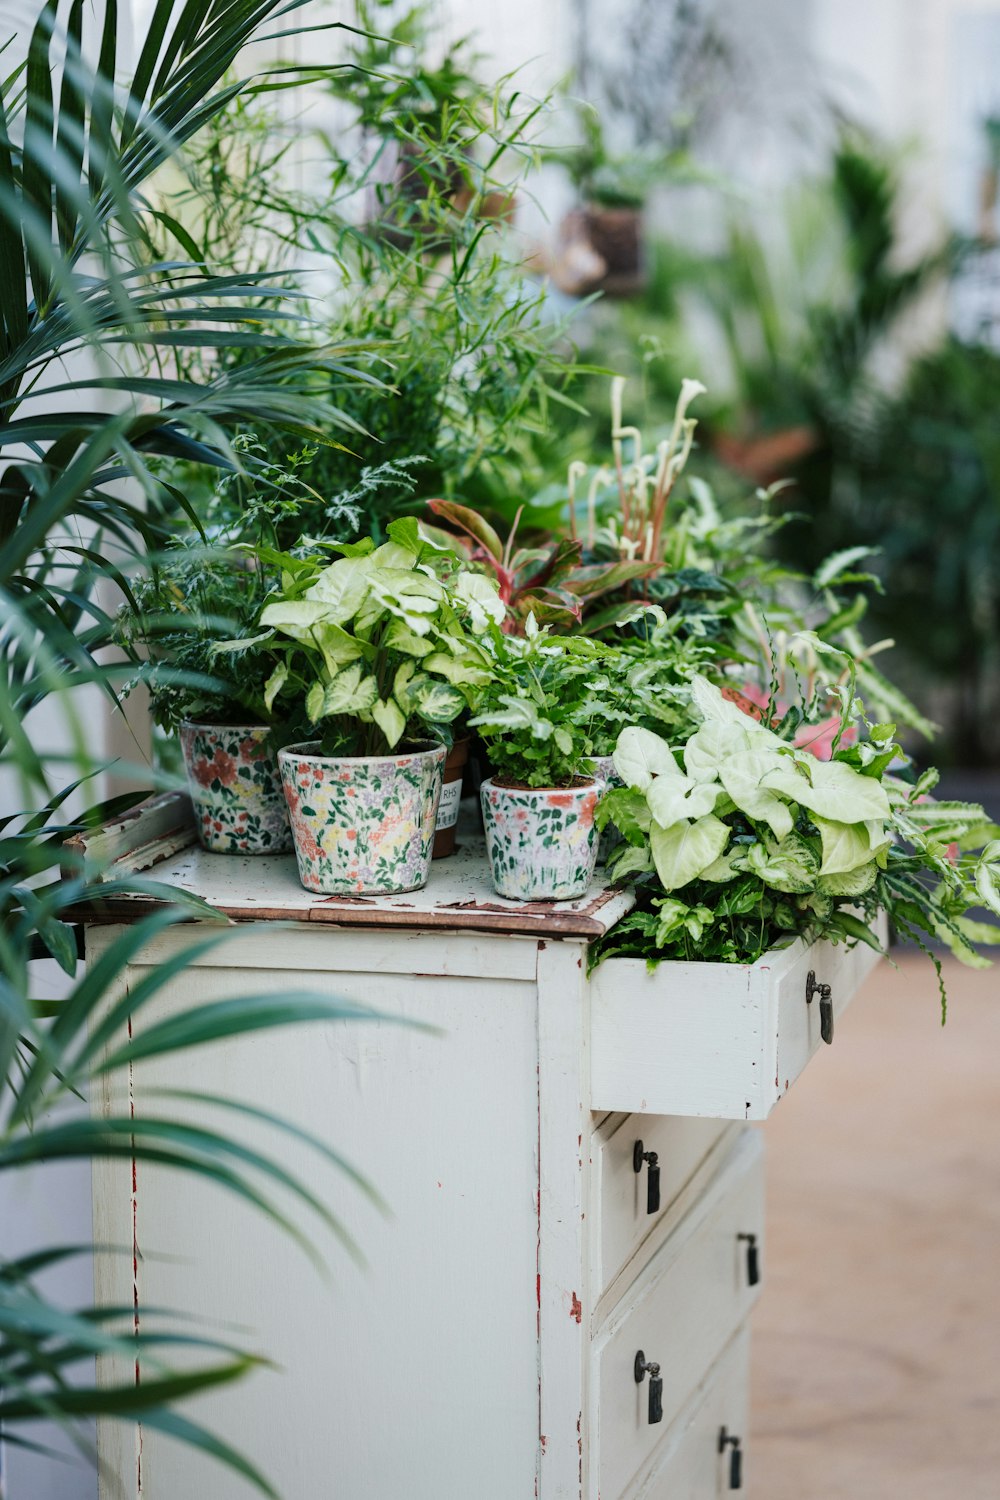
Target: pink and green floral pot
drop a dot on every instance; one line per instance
(235, 787)
(362, 825)
(541, 842)
(604, 769)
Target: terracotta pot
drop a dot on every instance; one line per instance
(614, 237)
(541, 842)
(235, 787)
(362, 825)
(451, 796)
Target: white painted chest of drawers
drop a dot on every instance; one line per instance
(487, 1348)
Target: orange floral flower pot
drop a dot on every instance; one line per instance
(233, 780)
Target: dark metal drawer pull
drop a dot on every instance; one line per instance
(644, 1367)
(726, 1440)
(653, 1178)
(753, 1258)
(825, 1004)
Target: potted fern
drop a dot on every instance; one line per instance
(539, 726)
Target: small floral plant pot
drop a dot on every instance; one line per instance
(235, 787)
(610, 838)
(542, 842)
(362, 825)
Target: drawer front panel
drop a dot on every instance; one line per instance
(691, 1465)
(620, 1196)
(722, 1040)
(685, 1306)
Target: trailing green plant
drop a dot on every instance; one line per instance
(208, 586)
(195, 609)
(388, 641)
(752, 840)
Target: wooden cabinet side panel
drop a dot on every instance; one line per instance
(416, 1373)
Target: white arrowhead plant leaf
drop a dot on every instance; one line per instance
(641, 755)
(682, 852)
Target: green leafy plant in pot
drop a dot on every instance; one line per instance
(386, 652)
(539, 724)
(191, 625)
(210, 693)
(744, 840)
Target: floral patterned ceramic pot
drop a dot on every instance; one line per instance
(542, 842)
(236, 789)
(604, 768)
(362, 824)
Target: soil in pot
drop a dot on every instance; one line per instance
(451, 796)
(363, 825)
(541, 842)
(235, 786)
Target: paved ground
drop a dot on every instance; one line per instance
(877, 1341)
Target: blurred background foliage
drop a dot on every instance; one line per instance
(816, 328)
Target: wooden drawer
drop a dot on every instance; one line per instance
(724, 1040)
(690, 1466)
(683, 1309)
(621, 1220)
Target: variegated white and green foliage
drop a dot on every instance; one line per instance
(388, 640)
(740, 840)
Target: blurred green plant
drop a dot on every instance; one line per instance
(77, 320)
(408, 233)
(811, 309)
(606, 178)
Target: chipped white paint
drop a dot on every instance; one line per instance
(486, 1347)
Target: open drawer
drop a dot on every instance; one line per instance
(724, 1040)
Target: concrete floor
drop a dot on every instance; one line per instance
(876, 1349)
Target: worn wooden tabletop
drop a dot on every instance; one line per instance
(157, 840)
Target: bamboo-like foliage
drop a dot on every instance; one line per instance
(84, 327)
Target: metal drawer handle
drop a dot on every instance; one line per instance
(653, 1178)
(644, 1367)
(825, 1005)
(753, 1258)
(726, 1440)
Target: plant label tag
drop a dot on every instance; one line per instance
(451, 796)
